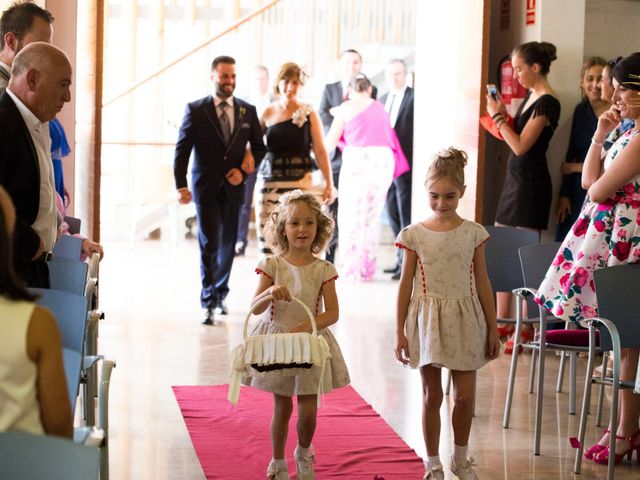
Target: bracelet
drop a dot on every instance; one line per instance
(599, 144)
(500, 123)
(496, 115)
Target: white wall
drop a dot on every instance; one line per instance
(612, 27)
(448, 92)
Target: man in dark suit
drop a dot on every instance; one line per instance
(217, 129)
(21, 24)
(399, 104)
(332, 96)
(38, 89)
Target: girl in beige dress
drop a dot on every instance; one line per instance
(445, 313)
(298, 230)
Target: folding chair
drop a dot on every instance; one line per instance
(536, 260)
(68, 247)
(68, 275)
(26, 456)
(619, 314)
(74, 224)
(71, 315)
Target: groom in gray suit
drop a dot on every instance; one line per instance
(217, 129)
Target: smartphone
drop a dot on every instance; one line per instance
(493, 91)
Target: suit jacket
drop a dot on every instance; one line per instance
(20, 175)
(200, 131)
(332, 96)
(5, 75)
(404, 123)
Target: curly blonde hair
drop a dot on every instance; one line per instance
(274, 229)
(448, 163)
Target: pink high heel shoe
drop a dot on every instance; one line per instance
(597, 448)
(602, 457)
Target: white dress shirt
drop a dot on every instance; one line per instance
(392, 105)
(46, 224)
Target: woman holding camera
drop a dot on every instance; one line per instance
(526, 195)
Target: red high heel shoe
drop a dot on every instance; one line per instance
(506, 330)
(525, 337)
(602, 457)
(597, 448)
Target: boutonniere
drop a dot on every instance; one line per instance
(242, 112)
(300, 116)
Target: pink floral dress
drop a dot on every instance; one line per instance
(605, 234)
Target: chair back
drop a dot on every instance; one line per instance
(535, 260)
(70, 311)
(619, 302)
(74, 224)
(33, 457)
(501, 253)
(68, 275)
(68, 247)
(72, 362)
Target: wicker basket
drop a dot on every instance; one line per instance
(279, 354)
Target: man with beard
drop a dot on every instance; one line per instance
(217, 129)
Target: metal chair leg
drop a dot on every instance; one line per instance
(514, 366)
(572, 382)
(539, 393)
(586, 400)
(532, 370)
(560, 373)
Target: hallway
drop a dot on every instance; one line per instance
(150, 298)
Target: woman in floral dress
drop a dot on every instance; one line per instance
(371, 159)
(606, 233)
(292, 131)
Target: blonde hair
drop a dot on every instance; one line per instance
(448, 163)
(274, 229)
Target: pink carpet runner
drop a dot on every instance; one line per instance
(352, 441)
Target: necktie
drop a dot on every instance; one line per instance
(225, 126)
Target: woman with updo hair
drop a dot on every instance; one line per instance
(371, 159)
(292, 131)
(526, 195)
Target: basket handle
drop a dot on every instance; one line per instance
(314, 330)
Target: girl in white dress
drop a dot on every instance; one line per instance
(297, 231)
(445, 310)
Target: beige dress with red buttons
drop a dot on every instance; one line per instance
(445, 324)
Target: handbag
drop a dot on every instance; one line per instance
(277, 354)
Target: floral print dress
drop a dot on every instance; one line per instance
(605, 234)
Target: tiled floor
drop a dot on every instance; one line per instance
(150, 297)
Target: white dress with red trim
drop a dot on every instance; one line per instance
(445, 324)
(305, 283)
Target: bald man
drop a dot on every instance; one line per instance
(21, 24)
(38, 89)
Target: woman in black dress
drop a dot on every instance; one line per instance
(526, 195)
(292, 132)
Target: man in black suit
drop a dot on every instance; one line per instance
(38, 89)
(21, 24)
(217, 129)
(399, 104)
(332, 96)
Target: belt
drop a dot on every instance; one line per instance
(46, 257)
